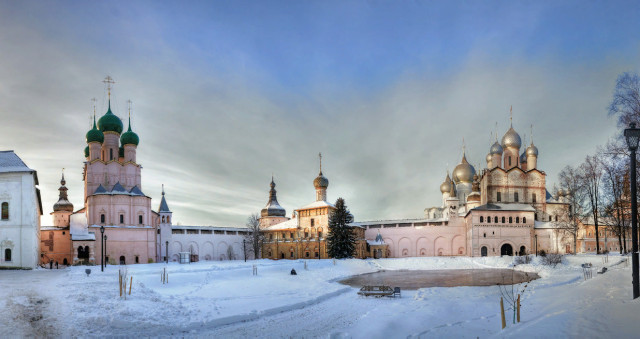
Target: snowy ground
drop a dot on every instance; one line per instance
(223, 299)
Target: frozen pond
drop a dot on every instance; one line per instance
(413, 280)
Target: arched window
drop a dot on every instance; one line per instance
(483, 251)
(485, 235)
(515, 196)
(168, 219)
(122, 260)
(517, 220)
(7, 254)
(163, 219)
(503, 220)
(495, 219)
(122, 218)
(102, 218)
(137, 259)
(313, 222)
(5, 211)
(498, 197)
(481, 219)
(511, 220)
(533, 197)
(140, 219)
(524, 220)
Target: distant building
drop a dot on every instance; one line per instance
(114, 201)
(303, 236)
(505, 210)
(20, 211)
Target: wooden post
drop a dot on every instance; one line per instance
(131, 283)
(120, 282)
(504, 321)
(518, 307)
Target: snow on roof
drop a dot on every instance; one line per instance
(317, 204)
(396, 221)
(214, 228)
(10, 162)
(88, 236)
(545, 224)
(118, 190)
(289, 224)
(505, 207)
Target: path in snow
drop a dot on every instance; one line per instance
(25, 304)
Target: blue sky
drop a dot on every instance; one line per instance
(225, 93)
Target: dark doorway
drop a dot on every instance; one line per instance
(506, 249)
(65, 262)
(522, 250)
(122, 261)
(281, 255)
(483, 251)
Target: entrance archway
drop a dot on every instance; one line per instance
(483, 251)
(522, 250)
(506, 249)
(122, 260)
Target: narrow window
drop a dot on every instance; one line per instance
(517, 220)
(511, 220)
(111, 154)
(137, 260)
(306, 254)
(524, 220)
(102, 218)
(495, 219)
(7, 254)
(158, 231)
(509, 161)
(498, 197)
(291, 235)
(312, 222)
(515, 196)
(5, 211)
(481, 219)
(317, 254)
(122, 218)
(484, 235)
(503, 220)
(556, 217)
(140, 219)
(291, 255)
(533, 197)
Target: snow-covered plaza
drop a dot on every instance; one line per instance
(224, 299)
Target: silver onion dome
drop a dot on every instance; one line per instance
(496, 148)
(532, 150)
(445, 187)
(511, 139)
(463, 172)
(523, 157)
(320, 181)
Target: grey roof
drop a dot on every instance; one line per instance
(10, 162)
(136, 191)
(505, 207)
(117, 188)
(163, 205)
(100, 190)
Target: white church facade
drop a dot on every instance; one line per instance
(21, 208)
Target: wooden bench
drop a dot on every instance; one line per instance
(376, 291)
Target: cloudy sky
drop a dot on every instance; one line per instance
(225, 93)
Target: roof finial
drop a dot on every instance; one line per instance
(162, 189)
(109, 82)
(511, 115)
(531, 134)
(320, 156)
(62, 181)
(93, 100)
(463, 147)
(129, 102)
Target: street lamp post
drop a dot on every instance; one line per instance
(632, 136)
(166, 257)
(105, 250)
(102, 248)
(244, 249)
(536, 245)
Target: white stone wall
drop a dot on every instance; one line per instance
(21, 232)
(212, 246)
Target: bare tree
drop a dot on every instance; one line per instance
(230, 254)
(569, 222)
(613, 193)
(591, 173)
(626, 99)
(254, 236)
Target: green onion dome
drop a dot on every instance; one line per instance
(86, 152)
(129, 137)
(110, 122)
(94, 134)
(121, 152)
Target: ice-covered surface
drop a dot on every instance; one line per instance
(223, 299)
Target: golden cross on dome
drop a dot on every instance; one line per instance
(109, 82)
(532, 134)
(129, 102)
(320, 156)
(93, 101)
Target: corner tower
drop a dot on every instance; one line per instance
(62, 209)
